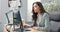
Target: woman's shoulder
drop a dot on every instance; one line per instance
(45, 14)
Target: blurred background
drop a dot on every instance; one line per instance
(51, 6)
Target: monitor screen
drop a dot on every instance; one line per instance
(16, 17)
(13, 17)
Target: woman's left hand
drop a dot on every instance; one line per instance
(34, 28)
(27, 26)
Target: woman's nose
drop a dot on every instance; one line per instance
(35, 8)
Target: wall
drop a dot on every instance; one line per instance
(1, 30)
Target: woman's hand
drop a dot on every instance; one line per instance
(27, 26)
(35, 28)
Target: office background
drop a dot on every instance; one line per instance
(25, 10)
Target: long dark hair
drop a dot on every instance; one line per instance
(34, 16)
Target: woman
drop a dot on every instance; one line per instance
(40, 17)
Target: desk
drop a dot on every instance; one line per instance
(11, 29)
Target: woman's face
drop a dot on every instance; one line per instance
(36, 8)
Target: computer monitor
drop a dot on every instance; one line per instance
(16, 17)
